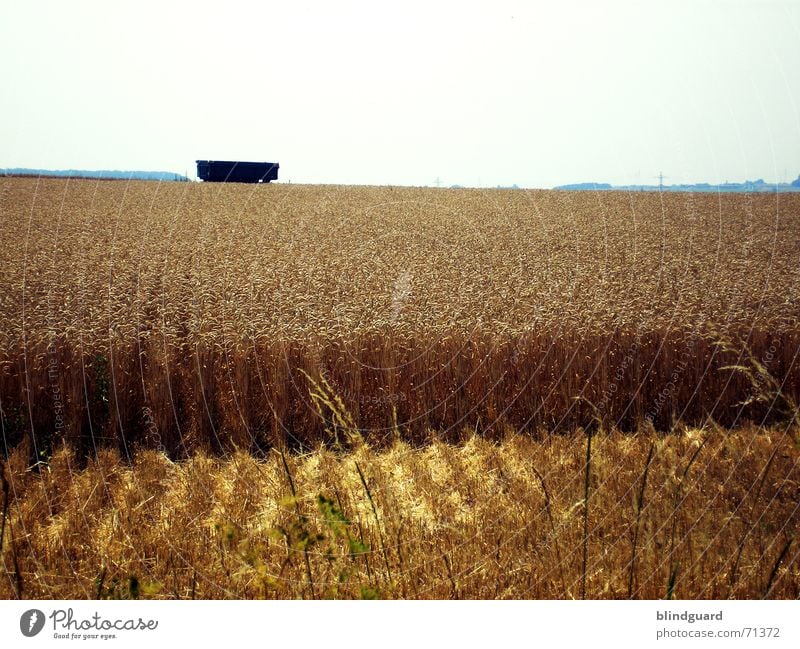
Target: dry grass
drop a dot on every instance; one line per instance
(466, 521)
(293, 391)
(196, 317)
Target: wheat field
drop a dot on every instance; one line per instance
(328, 391)
(712, 515)
(198, 317)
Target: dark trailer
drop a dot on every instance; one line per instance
(226, 171)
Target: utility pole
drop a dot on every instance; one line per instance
(438, 182)
(661, 177)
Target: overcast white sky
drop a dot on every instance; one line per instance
(502, 92)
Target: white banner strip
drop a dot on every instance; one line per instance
(352, 624)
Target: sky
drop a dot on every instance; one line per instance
(407, 93)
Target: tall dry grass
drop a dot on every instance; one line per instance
(191, 317)
(479, 520)
(292, 391)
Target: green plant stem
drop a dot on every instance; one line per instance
(586, 511)
(293, 491)
(377, 520)
(639, 507)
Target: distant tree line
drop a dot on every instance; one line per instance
(103, 174)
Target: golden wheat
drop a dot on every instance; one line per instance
(474, 521)
(200, 317)
(424, 345)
